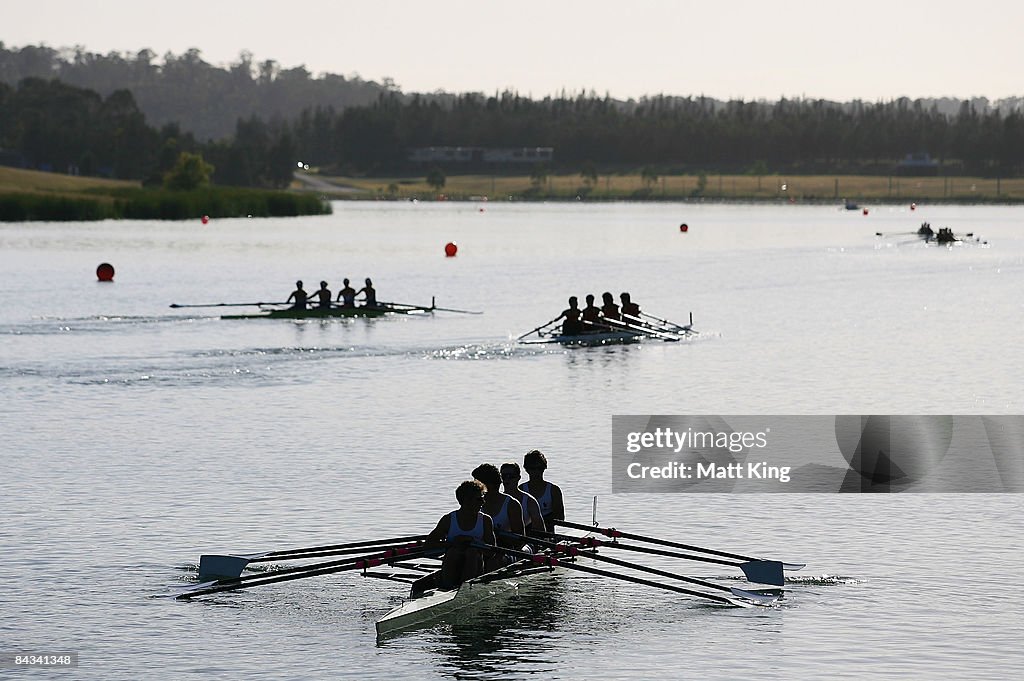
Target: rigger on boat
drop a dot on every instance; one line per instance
(555, 555)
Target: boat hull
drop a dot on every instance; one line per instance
(436, 604)
(330, 313)
(588, 339)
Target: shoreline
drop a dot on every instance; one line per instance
(795, 189)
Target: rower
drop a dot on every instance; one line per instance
(591, 315)
(533, 519)
(506, 513)
(458, 531)
(572, 325)
(370, 293)
(548, 494)
(324, 296)
(609, 310)
(347, 295)
(629, 308)
(299, 295)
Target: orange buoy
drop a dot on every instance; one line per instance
(450, 249)
(105, 272)
(205, 219)
(684, 227)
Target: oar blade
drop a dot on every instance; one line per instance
(755, 597)
(213, 566)
(764, 572)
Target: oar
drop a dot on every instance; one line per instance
(617, 324)
(663, 328)
(757, 571)
(542, 326)
(551, 561)
(429, 309)
(231, 565)
(177, 305)
(688, 329)
(613, 533)
(303, 571)
(574, 551)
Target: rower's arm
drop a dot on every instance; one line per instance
(515, 517)
(536, 517)
(439, 534)
(488, 531)
(557, 507)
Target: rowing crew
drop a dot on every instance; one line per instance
(593, 319)
(945, 235)
(487, 515)
(347, 296)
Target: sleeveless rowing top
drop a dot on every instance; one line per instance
(524, 500)
(454, 530)
(348, 297)
(544, 500)
(500, 519)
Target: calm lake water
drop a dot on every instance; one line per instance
(136, 437)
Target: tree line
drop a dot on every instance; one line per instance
(675, 134)
(259, 119)
(50, 125)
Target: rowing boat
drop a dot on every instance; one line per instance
(428, 603)
(587, 339)
(330, 312)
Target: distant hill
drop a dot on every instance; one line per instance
(208, 100)
(204, 99)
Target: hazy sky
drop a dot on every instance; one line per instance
(866, 49)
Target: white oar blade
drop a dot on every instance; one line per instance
(764, 572)
(754, 597)
(794, 566)
(182, 590)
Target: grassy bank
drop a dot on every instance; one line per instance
(800, 188)
(27, 195)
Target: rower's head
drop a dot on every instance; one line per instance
(488, 474)
(535, 462)
(590, 299)
(298, 284)
(368, 282)
(573, 302)
(345, 281)
(510, 475)
(624, 297)
(608, 298)
(323, 284)
(470, 493)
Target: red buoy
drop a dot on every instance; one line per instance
(684, 227)
(913, 206)
(105, 272)
(450, 249)
(865, 211)
(205, 218)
